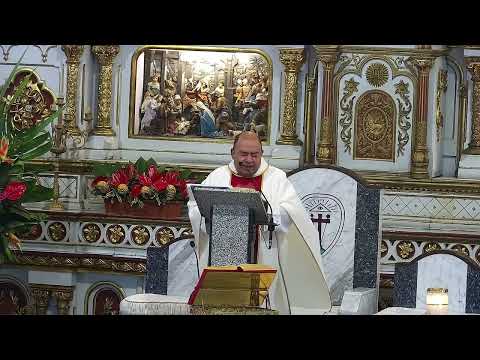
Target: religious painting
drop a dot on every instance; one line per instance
(13, 301)
(375, 127)
(103, 299)
(193, 93)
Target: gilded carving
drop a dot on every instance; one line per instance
(140, 235)
(34, 105)
(349, 62)
(404, 109)
(346, 117)
(377, 74)
(431, 247)
(442, 84)
(405, 249)
(115, 234)
(375, 126)
(292, 59)
(477, 255)
(473, 66)
(63, 296)
(105, 56)
(57, 231)
(91, 232)
(164, 236)
(41, 296)
(73, 53)
(383, 249)
(462, 249)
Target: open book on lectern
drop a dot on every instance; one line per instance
(208, 196)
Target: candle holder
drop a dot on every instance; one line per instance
(58, 148)
(437, 301)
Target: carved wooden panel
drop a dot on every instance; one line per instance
(375, 126)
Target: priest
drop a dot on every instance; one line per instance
(300, 286)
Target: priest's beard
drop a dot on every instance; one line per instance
(247, 170)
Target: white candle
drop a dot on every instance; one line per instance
(437, 301)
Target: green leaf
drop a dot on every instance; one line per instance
(39, 151)
(12, 74)
(33, 143)
(31, 133)
(105, 169)
(141, 165)
(36, 193)
(151, 162)
(185, 173)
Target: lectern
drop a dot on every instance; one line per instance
(231, 216)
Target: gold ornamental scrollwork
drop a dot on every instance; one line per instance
(164, 236)
(292, 59)
(473, 66)
(105, 55)
(375, 126)
(63, 297)
(57, 231)
(377, 74)
(431, 247)
(462, 249)
(73, 53)
(91, 233)
(405, 249)
(383, 249)
(404, 109)
(442, 85)
(41, 296)
(115, 234)
(346, 117)
(349, 62)
(140, 235)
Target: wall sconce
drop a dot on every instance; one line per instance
(437, 301)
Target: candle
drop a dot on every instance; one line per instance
(437, 301)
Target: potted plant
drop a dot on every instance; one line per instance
(16, 147)
(143, 189)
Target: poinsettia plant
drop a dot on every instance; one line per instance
(139, 182)
(16, 147)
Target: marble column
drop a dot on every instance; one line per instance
(328, 56)
(419, 160)
(105, 55)
(292, 59)
(73, 53)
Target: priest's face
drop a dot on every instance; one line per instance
(247, 155)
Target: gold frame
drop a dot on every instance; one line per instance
(133, 79)
(337, 77)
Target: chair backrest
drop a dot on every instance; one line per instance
(171, 269)
(438, 269)
(350, 241)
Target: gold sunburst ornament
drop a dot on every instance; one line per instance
(377, 74)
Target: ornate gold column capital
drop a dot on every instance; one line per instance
(63, 296)
(105, 55)
(423, 63)
(73, 53)
(292, 59)
(473, 67)
(41, 296)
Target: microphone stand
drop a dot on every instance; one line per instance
(271, 225)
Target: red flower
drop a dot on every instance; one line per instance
(98, 179)
(4, 149)
(13, 191)
(145, 180)
(172, 178)
(136, 190)
(131, 171)
(121, 176)
(160, 184)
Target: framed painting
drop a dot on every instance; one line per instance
(199, 93)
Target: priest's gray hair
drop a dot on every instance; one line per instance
(237, 137)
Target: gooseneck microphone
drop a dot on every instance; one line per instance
(192, 244)
(271, 225)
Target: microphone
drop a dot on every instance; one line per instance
(271, 224)
(192, 244)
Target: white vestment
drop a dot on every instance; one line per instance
(300, 286)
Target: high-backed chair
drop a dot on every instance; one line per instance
(438, 269)
(346, 211)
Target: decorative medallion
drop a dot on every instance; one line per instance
(33, 233)
(328, 215)
(383, 249)
(375, 126)
(91, 232)
(140, 235)
(462, 249)
(115, 234)
(57, 231)
(405, 249)
(377, 74)
(33, 106)
(431, 246)
(164, 236)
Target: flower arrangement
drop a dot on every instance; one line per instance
(143, 181)
(16, 147)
